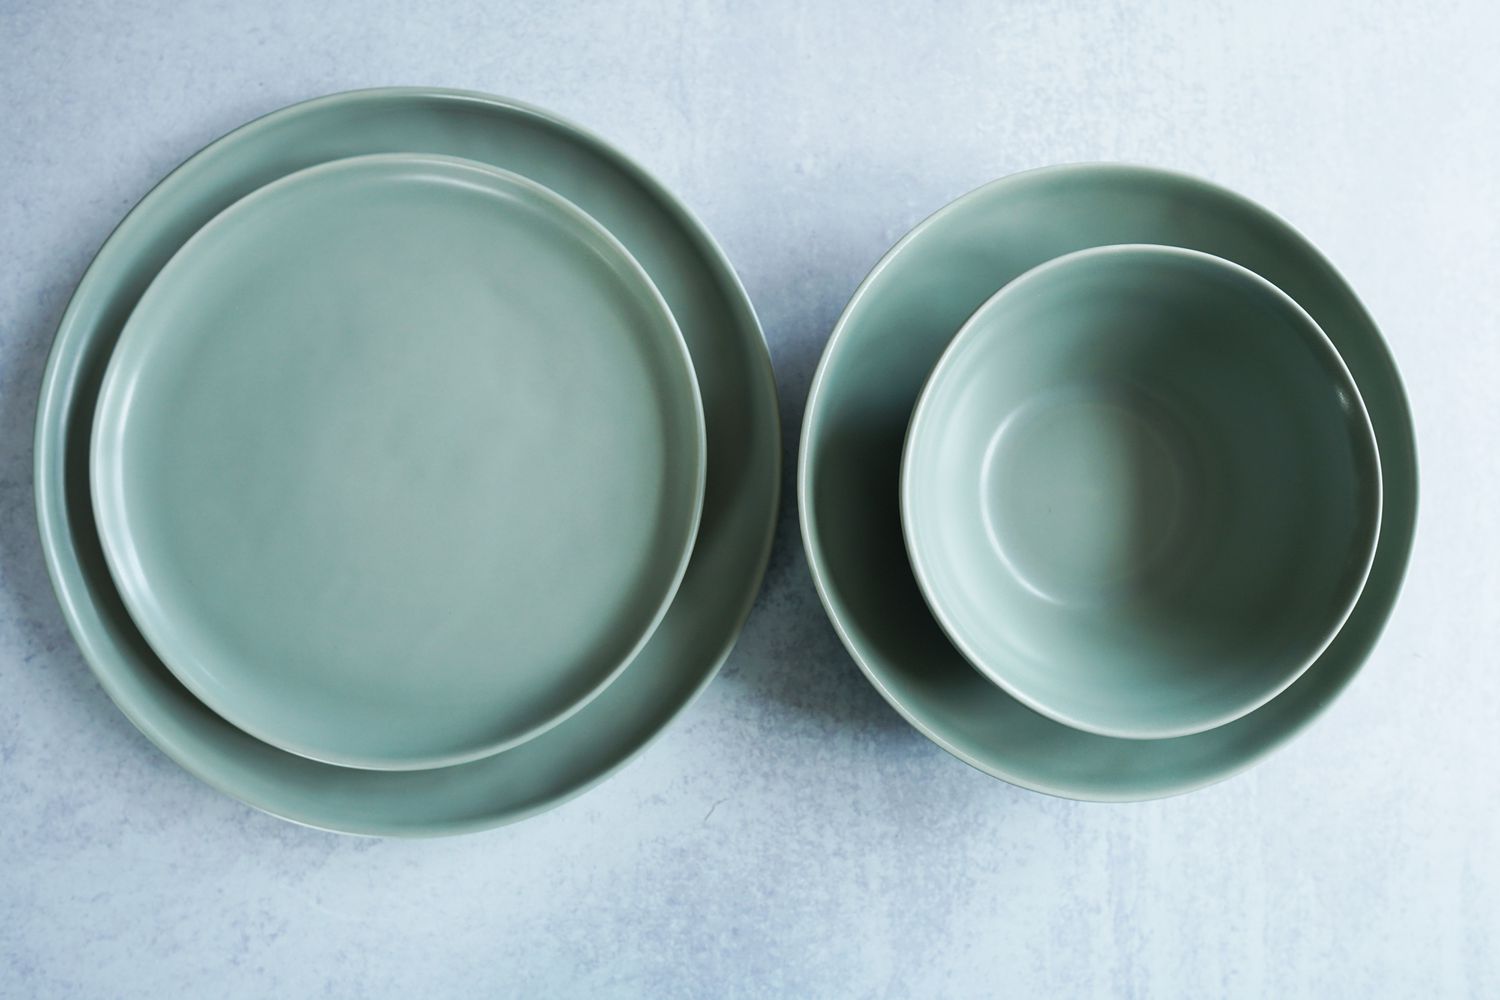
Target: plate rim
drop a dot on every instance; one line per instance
(812, 549)
(57, 385)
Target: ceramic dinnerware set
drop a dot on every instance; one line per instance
(408, 459)
(1107, 481)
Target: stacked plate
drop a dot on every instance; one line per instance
(1107, 481)
(406, 460)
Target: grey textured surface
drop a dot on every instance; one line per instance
(790, 836)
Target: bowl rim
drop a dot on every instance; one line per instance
(1361, 431)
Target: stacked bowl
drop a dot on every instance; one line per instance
(1107, 481)
(406, 460)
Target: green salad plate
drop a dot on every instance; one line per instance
(738, 398)
(899, 323)
(398, 461)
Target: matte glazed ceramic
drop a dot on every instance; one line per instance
(398, 461)
(1140, 491)
(890, 336)
(728, 559)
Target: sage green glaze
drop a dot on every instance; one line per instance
(890, 336)
(398, 461)
(1140, 492)
(727, 563)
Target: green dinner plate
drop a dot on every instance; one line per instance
(888, 339)
(398, 461)
(729, 557)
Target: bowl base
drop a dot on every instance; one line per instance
(1086, 494)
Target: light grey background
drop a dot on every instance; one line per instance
(790, 836)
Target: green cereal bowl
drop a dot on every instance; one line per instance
(888, 339)
(1140, 491)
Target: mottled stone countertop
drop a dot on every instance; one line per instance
(790, 835)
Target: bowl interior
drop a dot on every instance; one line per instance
(1141, 492)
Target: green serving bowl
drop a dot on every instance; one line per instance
(860, 405)
(1140, 491)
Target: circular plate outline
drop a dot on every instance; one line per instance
(740, 501)
(137, 344)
